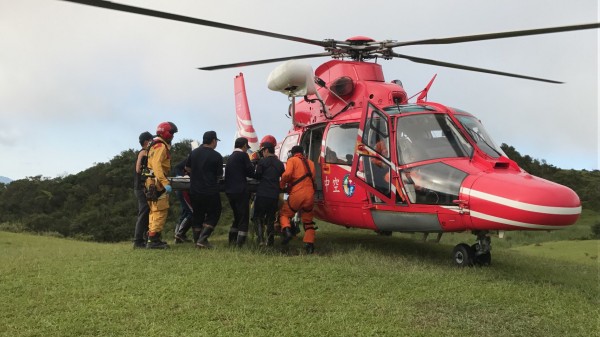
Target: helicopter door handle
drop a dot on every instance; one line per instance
(361, 148)
(463, 205)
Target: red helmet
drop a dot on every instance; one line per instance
(268, 139)
(166, 130)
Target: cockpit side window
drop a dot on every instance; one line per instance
(476, 130)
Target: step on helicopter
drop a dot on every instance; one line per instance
(389, 165)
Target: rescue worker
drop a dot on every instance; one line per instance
(206, 168)
(268, 172)
(239, 168)
(159, 162)
(380, 170)
(298, 180)
(141, 225)
(185, 219)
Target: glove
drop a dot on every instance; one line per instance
(168, 188)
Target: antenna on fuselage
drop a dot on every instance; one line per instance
(423, 96)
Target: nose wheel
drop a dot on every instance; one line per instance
(477, 254)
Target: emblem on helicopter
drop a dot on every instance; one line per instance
(348, 185)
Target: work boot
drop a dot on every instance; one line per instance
(154, 242)
(181, 230)
(270, 234)
(233, 234)
(196, 233)
(309, 248)
(203, 239)
(241, 239)
(139, 244)
(295, 228)
(287, 235)
(181, 238)
(260, 237)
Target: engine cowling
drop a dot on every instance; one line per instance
(292, 78)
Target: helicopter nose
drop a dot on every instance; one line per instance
(520, 202)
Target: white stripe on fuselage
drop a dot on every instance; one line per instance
(503, 221)
(511, 222)
(522, 205)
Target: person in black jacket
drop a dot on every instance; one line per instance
(238, 168)
(141, 225)
(187, 211)
(206, 168)
(268, 172)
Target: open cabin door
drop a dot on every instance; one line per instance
(372, 163)
(311, 141)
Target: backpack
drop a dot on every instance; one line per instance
(146, 171)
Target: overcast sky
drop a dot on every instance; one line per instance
(79, 84)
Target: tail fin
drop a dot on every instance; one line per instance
(242, 111)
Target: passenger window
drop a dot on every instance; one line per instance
(340, 143)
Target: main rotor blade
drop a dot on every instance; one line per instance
(201, 22)
(480, 70)
(251, 63)
(481, 37)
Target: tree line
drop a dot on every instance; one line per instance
(98, 203)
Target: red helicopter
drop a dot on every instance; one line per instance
(388, 165)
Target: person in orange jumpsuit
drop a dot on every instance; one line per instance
(298, 179)
(159, 162)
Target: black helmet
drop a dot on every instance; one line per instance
(144, 136)
(297, 149)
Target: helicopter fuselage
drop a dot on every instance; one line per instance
(387, 165)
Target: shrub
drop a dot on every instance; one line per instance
(596, 231)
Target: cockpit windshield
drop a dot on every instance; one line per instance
(480, 136)
(429, 136)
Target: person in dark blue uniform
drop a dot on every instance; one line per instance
(185, 219)
(206, 168)
(239, 168)
(268, 173)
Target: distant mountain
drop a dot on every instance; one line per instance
(5, 180)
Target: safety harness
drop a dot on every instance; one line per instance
(297, 181)
(307, 175)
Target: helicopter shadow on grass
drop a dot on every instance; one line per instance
(338, 243)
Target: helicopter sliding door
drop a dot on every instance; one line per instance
(311, 141)
(372, 166)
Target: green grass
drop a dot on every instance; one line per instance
(578, 252)
(359, 284)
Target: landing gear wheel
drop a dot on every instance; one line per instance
(463, 255)
(482, 255)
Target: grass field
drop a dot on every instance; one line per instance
(577, 252)
(359, 284)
